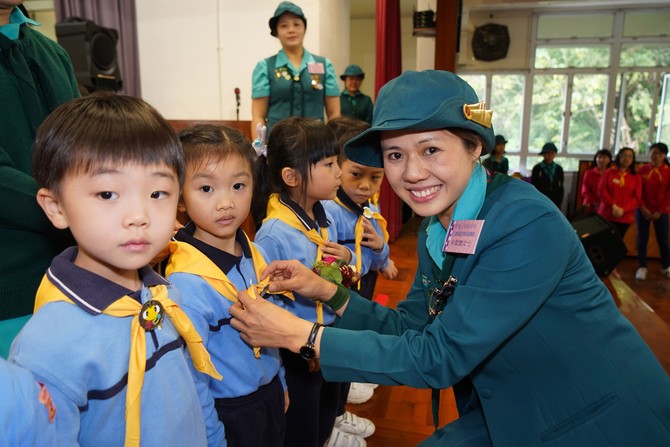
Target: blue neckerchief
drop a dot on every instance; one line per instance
(16, 19)
(467, 208)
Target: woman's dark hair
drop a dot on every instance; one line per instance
(604, 151)
(470, 139)
(297, 143)
(617, 159)
(103, 129)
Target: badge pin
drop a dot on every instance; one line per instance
(151, 316)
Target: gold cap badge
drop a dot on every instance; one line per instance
(478, 113)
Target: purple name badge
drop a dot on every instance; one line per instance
(463, 236)
(315, 68)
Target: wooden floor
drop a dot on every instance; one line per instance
(403, 415)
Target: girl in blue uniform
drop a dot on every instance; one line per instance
(301, 170)
(505, 306)
(211, 259)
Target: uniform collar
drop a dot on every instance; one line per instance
(349, 203)
(16, 19)
(223, 260)
(90, 291)
(318, 210)
(282, 60)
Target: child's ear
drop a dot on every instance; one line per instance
(51, 205)
(290, 177)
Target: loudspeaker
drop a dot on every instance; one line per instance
(601, 240)
(92, 49)
(490, 42)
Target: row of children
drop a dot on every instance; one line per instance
(622, 193)
(124, 356)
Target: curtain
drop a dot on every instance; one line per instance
(119, 15)
(388, 66)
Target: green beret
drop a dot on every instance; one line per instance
(283, 8)
(353, 70)
(422, 100)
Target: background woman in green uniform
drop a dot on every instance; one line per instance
(508, 309)
(294, 82)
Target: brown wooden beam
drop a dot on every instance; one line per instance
(446, 34)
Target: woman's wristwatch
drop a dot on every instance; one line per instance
(307, 350)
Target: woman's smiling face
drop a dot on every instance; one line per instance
(428, 170)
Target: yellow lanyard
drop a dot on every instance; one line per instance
(128, 307)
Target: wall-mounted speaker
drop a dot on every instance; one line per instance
(92, 49)
(490, 42)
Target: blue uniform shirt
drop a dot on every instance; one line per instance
(281, 241)
(82, 356)
(209, 311)
(346, 224)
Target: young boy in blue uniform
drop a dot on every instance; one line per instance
(107, 336)
(27, 413)
(212, 259)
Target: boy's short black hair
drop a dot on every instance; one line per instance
(345, 128)
(103, 129)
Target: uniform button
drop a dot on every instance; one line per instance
(486, 393)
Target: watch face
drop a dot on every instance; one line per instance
(307, 352)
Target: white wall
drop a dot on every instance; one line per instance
(192, 57)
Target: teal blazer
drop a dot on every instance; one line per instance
(531, 340)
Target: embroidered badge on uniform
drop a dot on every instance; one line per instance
(45, 399)
(425, 281)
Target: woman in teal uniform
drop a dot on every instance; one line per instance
(294, 82)
(505, 306)
(353, 102)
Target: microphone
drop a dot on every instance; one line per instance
(237, 98)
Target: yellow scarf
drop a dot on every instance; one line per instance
(128, 307)
(277, 210)
(188, 259)
(656, 171)
(358, 230)
(622, 178)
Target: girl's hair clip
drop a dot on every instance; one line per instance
(259, 144)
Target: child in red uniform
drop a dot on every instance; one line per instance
(590, 197)
(654, 209)
(620, 191)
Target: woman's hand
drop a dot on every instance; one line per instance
(371, 238)
(294, 276)
(262, 323)
(336, 250)
(617, 211)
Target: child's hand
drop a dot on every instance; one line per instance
(286, 401)
(336, 250)
(391, 271)
(371, 238)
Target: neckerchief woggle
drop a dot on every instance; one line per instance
(277, 210)
(185, 258)
(129, 307)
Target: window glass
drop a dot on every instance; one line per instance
(478, 83)
(645, 55)
(587, 113)
(581, 26)
(507, 105)
(546, 114)
(572, 57)
(637, 89)
(646, 24)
